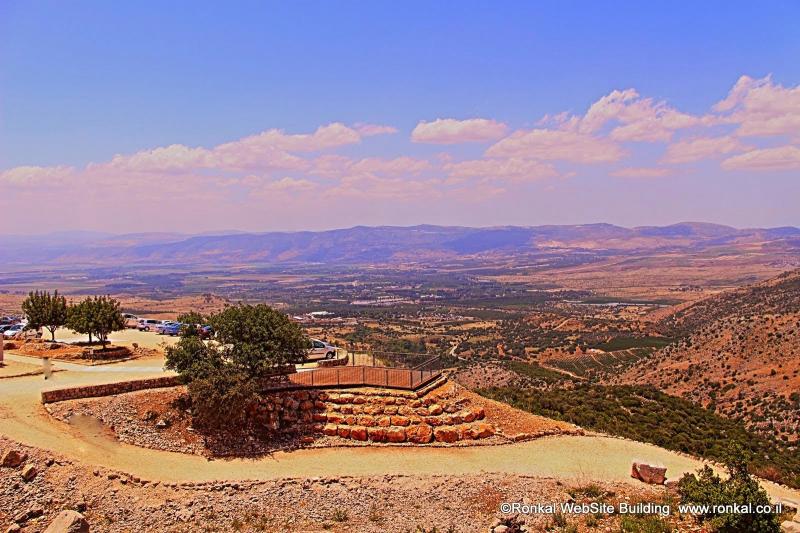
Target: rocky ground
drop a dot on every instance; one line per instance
(111, 501)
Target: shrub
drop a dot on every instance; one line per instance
(220, 399)
(740, 487)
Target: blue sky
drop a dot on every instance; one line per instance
(81, 82)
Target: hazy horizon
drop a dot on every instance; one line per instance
(645, 115)
(233, 231)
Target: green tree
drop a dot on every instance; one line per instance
(96, 315)
(107, 317)
(192, 317)
(79, 318)
(223, 374)
(740, 488)
(256, 338)
(45, 310)
(190, 322)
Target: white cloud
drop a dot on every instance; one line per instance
(453, 131)
(766, 159)
(557, 145)
(641, 172)
(699, 148)
(512, 169)
(761, 108)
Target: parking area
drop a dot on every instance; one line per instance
(125, 337)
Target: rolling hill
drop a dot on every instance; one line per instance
(385, 244)
(740, 355)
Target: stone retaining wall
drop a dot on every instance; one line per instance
(371, 415)
(107, 389)
(364, 414)
(327, 363)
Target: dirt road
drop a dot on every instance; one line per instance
(22, 418)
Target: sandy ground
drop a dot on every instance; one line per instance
(125, 337)
(23, 419)
(11, 368)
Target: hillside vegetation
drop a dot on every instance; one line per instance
(648, 415)
(740, 356)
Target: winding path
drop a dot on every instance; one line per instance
(23, 419)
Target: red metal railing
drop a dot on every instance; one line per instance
(358, 376)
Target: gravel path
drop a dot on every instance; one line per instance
(23, 419)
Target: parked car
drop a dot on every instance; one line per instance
(205, 332)
(164, 325)
(321, 350)
(172, 329)
(148, 324)
(131, 321)
(13, 330)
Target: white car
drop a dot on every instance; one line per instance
(148, 324)
(321, 350)
(131, 321)
(13, 330)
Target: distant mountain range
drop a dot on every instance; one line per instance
(382, 244)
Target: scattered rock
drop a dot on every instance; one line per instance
(68, 522)
(29, 472)
(12, 459)
(28, 514)
(653, 475)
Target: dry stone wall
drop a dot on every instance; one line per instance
(372, 415)
(108, 389)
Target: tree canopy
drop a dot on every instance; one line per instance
(96, 315)
(45, 310)
(223, 374)
(255, 338)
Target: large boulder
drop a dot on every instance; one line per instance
(358, 433)
(395, 434)
(12, 459)
(419, 434)
(68, 522)
(445, 434)
(653, 475)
